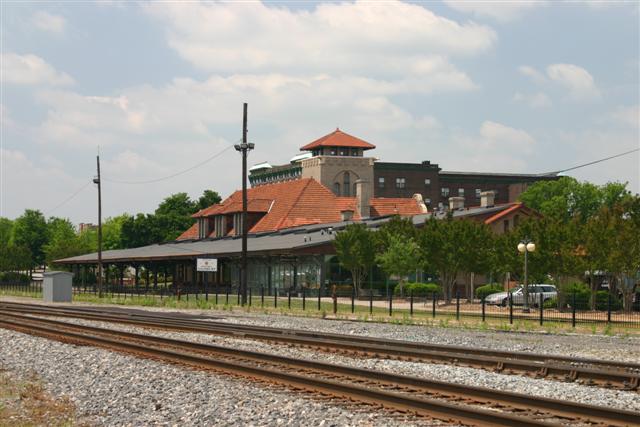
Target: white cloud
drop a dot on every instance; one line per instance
(30, 70)
(499, 11)
(626, 115)
(530, 72)
(534, 100)
(46, 21)
(21, 178)
(390, 38)
(496, 147)
(577, 80)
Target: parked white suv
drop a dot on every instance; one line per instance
(502, 298)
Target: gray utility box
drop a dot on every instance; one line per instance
(56, 286)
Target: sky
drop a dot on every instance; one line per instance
(157, 88)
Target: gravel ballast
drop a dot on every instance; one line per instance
(113, 389)
(461, 375)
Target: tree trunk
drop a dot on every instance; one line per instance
(470, 287)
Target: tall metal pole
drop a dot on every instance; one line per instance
(244, 148)
(98, 181)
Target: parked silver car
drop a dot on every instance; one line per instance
(502, 298)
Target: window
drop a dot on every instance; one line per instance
(427, 201)
(400, 183)
(354, 152)
(381, 182)
(427, 181)
(346, 180)
(333, 152)
(336, 188)
(342, 153)
(444, 191)
(461, 192)
(478, 191)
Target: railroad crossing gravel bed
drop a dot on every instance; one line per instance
(461, 375)
(114, 389)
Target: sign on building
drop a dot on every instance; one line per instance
(207, 264)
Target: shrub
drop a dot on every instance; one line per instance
(582, 293)
(551, 303)
(486, 290)
(419, 289)
(14, 277)
(602, 301)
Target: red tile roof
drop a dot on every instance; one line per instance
(190, 233)
(299, 202)
(394, 206)
(338, 138)
(518, 206)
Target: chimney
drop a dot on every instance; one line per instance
(420, 201)
(347, 215)
(456, 203)
(487, 199)
(363, 198)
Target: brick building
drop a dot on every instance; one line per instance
(337, 160)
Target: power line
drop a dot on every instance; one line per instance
(150, 181)
(69, 198)
(590, 163)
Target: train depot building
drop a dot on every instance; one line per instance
(295, 211)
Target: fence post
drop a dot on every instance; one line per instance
(261, 295)
(217, 293)
(320, 296)
(227, 295)
(433, 308)
(511, 308)
(541, 308)
(370, 300)
(483, 308)
(353, 298)
(573, 309)
(239, 292)
(275, 298)
(250, 294)
(609, 306)
(304, 299)
(390, 303)
(289, 298)
(411, 302)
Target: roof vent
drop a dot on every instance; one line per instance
(487, 199)
(456, 203)
(346, 215)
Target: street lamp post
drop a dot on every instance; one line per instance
(525, 246)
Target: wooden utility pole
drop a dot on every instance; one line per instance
(244, 148)
(99, 182)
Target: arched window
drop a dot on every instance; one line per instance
(347, 184)
(336, 188)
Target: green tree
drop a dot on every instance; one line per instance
(112, 232)
(401, 257)
(447, 246)
(6, 226)
(355, 248)
(208, 198)
(176, 204)
(30, 230)
(568, 198)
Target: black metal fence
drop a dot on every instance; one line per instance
(569, 308)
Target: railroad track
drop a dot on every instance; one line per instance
(610, 374)
(447, 402)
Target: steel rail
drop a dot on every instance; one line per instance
(353, 338)
(563, 409)
(506, 361)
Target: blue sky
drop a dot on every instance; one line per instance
(524, 87)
